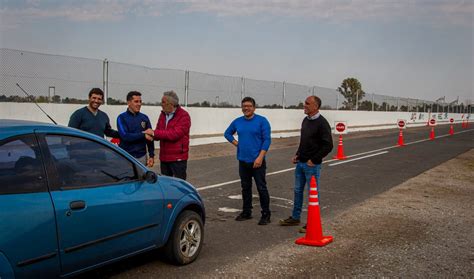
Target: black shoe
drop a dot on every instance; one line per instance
(265, 219)
(303, 229)
(243, 216)
(290, 222)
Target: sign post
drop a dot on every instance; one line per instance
(432, 123)
(340, 128)
(402, 124)
(451, 129)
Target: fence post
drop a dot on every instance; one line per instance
(186, 87)
(357, 99)
(283, 97)
(105, 79)
(373, 100)
(242, 88)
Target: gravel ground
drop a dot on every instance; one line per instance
(421, 228)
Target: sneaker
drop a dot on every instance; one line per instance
(265, 219)
(303, 229)
(290, 222)
(243, 216)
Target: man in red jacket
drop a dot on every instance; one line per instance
(172, 130)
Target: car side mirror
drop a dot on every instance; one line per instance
(150, 177)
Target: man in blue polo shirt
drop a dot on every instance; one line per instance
(253, 131)
(131, 125)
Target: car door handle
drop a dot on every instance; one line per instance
(76, 205)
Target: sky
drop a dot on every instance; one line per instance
(409, 48)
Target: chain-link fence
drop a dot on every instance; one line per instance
(64, 79)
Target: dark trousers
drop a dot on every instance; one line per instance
(246, 172)
(175, 169)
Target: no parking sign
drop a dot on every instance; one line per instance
(340, 127)
(432, 122)
(402, 123)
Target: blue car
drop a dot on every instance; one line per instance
(71, 201)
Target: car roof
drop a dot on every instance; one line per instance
(9, 126)
(4, 123)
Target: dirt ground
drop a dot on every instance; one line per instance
(421, 228)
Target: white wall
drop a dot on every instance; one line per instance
(213, 121)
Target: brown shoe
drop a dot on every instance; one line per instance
(303, 229)
(243, 216)
(289, 222)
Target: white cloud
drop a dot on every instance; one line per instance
(460, 11)
(448, 11)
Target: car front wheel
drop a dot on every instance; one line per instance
(186, 239)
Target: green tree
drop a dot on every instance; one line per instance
(352, 91)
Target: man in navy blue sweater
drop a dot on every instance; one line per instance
(254, 141)
(91, 119)
(131, 125)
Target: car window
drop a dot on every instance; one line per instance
(85, 163)
(21, 168)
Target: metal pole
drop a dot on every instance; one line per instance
(186, 88)
(408, 105)
(337, 101)
(357, 99)
(105, 80)
(283, 97)
(398, 103)
(373, 96)
(416, 104)
(242, 89)
(386, 104)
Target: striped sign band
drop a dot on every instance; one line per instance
(313, 203)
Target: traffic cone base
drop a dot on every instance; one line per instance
(325, 240)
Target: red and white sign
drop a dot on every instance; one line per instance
(432, 122)
(340, 127)
(402, 123)
(451, 120)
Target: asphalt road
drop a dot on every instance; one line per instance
(343, 184)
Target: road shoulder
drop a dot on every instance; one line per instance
(422, 227)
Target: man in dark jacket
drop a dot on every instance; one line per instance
(131, 124)
(91, 119)
(172, 130)
(315, 144)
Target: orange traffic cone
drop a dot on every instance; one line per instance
(432, 134)
(340, 150)
(314, 231)
(400, 138)
(451, 130)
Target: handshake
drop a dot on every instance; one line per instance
(149, 134)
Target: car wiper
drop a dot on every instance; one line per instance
(117, 178)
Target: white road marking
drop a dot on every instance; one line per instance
(355, 159)
(324, 162)
(228, 210)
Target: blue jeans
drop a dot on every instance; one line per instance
(303, 174)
